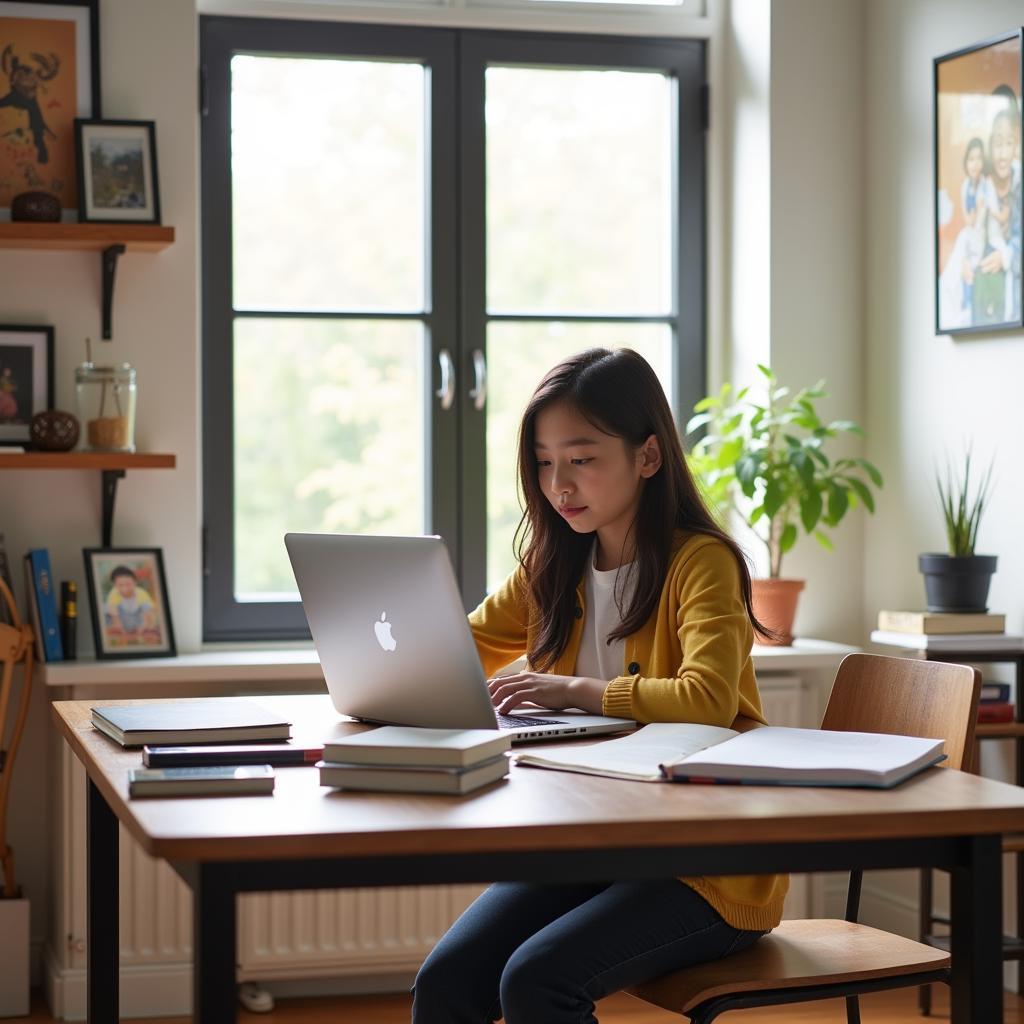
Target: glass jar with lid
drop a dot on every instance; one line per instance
(106, 406)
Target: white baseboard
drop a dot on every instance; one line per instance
(153, 990)
(165, 990)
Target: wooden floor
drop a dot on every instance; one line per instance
(883, 1008)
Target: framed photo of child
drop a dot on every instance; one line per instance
(978, 217)
(131, 616)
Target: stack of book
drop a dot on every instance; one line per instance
(411, 760)
(995, 704)
(944, 631)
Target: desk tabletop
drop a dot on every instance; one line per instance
(535, 809)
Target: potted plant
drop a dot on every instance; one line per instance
(766, 462)
(959, 581)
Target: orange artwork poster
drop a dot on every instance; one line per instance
(38, 106)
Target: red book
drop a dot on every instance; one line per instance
(996, 711)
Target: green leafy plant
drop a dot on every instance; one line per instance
(962, 515)
(766, 461)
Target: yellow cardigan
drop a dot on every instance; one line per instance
(690, 662)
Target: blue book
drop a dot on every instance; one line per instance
(46, 601)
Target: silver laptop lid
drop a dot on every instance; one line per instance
(390, 629)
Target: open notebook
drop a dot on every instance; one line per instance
(772, 755)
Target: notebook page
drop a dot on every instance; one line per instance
(816, 751)
(636, 756)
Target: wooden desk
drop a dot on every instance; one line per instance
(539, 826)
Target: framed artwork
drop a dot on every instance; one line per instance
(26, 379)
(978, 220)
(117, 179)
(131, 616)
(49, 75)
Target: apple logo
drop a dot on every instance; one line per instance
(383, 630)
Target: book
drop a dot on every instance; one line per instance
(771, 755)
(995, 693)
(938, 623)
(951, 642)
(277, 754)
(407, 745)
(995, 711)
(5, 575)
(32, 611)
(39, 579)
(413, 778)
(207, 720)
(212, 780)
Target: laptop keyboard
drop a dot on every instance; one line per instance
(518, 721)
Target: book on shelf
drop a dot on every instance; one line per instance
(992, 712)
(771, 755)
(413, 778)
(408, 745)
(940, 623)
(206, 720)
(5, 575)
(42, 600)
(210, 780)
(995, 693)
(951, 642)
(276, 754)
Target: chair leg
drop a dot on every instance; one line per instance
(852, 1010)
(924, 993)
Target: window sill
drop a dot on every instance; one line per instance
(302, 665)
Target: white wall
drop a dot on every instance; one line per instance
(928, 394)
(796, 243)
(149, 57)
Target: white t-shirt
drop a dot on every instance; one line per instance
(597, 659)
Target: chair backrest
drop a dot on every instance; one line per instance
(909, 697)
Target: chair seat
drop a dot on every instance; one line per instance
(796, 954)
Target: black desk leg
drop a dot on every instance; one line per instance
(213, 945)
(977, 932)
(101, 909)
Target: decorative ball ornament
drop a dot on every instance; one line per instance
(54, 431)
(35, 206)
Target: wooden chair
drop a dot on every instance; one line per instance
(801, 961)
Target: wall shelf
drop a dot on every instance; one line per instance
(85, 237)
(109, 240)
(112, 467)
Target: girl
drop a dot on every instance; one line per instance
(628, 600)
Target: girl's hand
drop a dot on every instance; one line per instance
(547, 691)
(992, 263)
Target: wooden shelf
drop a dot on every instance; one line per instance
(85, 460)
(112, 467)
(85, 237)
(998, 730)
(111, 241)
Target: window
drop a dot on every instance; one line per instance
(402, 228)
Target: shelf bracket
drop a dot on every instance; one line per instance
(109, 258)
(110, 478)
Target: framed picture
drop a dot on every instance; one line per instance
(117, 172)
(49, 58)
(131, 617)
(978, 220)
(26, 379)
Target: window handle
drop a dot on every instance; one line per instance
(446, 392)
(479, 391)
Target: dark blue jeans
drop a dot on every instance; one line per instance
(544, 954)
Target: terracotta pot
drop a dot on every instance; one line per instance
(775, 603)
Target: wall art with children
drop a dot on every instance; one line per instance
(978, 187)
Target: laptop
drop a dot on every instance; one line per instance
(394, 642)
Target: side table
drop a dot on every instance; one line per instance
(977, 651)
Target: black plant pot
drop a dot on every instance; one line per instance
(957, 583)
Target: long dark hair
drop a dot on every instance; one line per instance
(620, 395)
